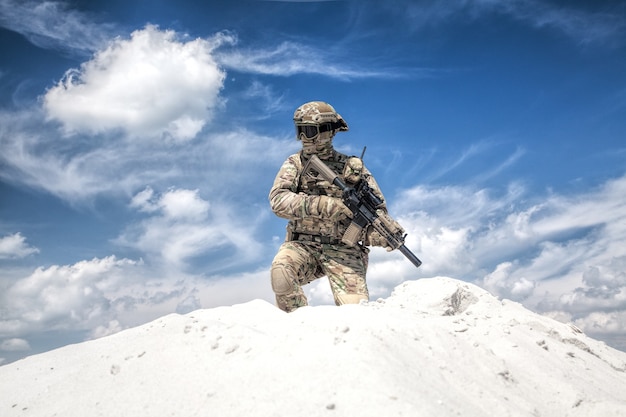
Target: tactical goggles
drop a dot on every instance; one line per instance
(311, 131)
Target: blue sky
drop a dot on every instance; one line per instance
(139, 141)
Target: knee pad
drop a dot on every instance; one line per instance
(282, 280)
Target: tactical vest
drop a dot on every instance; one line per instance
(311, 183)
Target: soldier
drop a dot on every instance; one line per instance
(317, 216)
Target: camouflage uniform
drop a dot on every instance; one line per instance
(313, 246)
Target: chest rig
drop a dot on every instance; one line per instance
(312, 183)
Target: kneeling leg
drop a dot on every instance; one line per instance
(289, 271)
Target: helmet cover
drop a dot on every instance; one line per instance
(318, 112)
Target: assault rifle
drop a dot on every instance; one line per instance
(366, 210)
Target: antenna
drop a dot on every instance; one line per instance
(363, 153)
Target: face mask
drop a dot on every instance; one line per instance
(320, 145)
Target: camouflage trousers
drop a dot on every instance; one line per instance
(298, 263)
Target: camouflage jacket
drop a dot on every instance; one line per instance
(293, 192)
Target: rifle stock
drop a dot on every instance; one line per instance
(365, 207)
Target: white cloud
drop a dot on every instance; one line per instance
(183, 225)
(53, 24)
(151, 85)
(501, 282)
(290, 58)
(583, 26)
(107, 329)
(14, 246)
(63, 297)
(271, 101)
(179, 230)
(143, 201)
(78, 169)
(14, 345)
(184, 205)
(599, 323)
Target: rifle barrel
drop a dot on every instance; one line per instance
(410, 256)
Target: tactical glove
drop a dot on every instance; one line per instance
(331, 208)
(373, 238)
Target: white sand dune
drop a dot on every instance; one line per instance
(436, 347)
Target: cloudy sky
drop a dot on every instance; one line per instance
(139, 141)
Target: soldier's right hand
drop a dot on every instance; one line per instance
(332, 208)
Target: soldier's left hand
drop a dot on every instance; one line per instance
(375, 239)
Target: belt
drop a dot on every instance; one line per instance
(315, 238)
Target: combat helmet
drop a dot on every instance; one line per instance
(315, 117)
